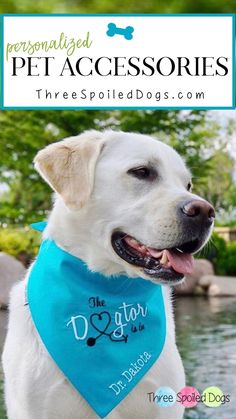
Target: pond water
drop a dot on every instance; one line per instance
(3, 324)
(206, 336)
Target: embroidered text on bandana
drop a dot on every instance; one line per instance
(104, 333)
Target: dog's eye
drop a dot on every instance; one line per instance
(143, 173)
(189, 186)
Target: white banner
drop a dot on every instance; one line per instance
(118, 61)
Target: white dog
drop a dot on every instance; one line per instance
(123, 206)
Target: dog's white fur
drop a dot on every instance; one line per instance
(94, 196)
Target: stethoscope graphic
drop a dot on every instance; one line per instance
(92, 340)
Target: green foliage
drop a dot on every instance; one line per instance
(222, 255)
(213, 250)
(20, 243)
(231, 259)
(22, 134)
(225, 262)
(117, 6)
(219, 188)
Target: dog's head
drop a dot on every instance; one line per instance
(129, 200)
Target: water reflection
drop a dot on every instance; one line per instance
(3, 325)
(206, 336)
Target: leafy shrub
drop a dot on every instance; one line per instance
(230, 259)
(21, 243)
(221, 254)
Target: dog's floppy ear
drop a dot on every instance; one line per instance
(68, 167)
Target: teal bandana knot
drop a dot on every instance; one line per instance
(104, 333)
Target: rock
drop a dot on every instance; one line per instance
(11, 271)
(201, 267)
(222, 286)
(199, 290)
(205, 281)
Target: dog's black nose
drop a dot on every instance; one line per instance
(199, 210)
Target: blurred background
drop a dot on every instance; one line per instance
(117, 6)
(205, 305)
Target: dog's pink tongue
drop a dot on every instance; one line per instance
(180, 262)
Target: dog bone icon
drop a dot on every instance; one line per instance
(126, 32)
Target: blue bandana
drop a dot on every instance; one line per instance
(104, 333)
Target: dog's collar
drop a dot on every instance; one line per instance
(104, 333)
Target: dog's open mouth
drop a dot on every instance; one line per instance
(164, 264)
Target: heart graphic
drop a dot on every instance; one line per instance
(100, 321)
